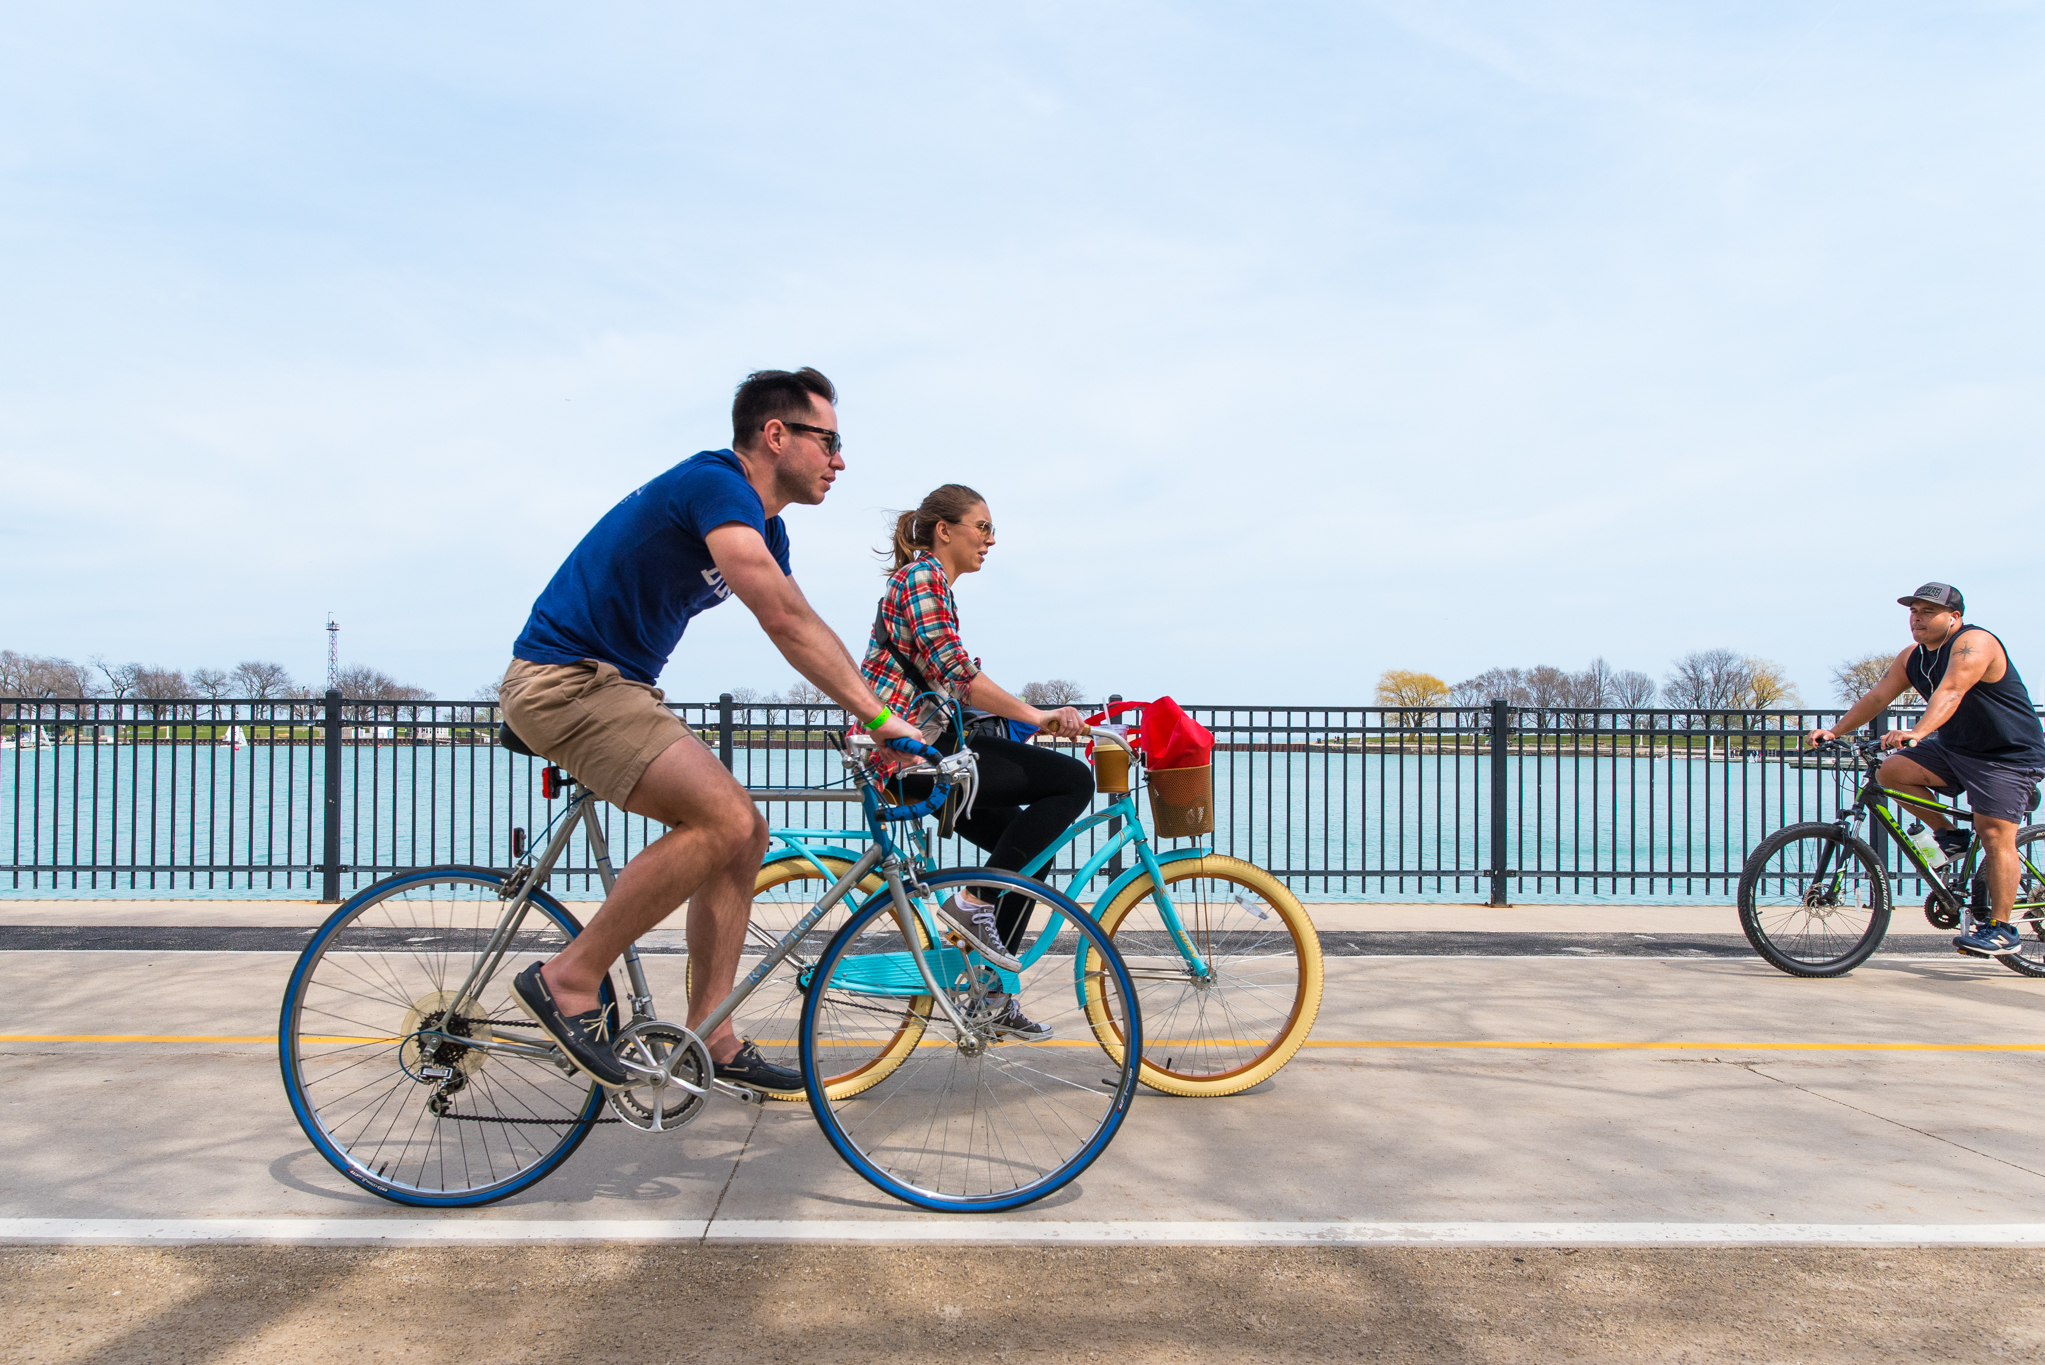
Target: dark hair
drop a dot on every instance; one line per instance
(767, 395)
(916, 530)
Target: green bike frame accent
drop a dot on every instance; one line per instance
(1875, 799)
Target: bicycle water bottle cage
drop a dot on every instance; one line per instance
(553, 782)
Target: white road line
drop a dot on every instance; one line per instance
(967, 1230)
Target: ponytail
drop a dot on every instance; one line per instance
(916, 530)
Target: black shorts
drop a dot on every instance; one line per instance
(2002, 790)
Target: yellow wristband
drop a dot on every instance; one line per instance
(882, 719)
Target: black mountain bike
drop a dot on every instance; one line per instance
(1814, 899)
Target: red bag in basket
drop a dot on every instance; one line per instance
(1173, 739)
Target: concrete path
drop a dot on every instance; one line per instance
(1601, 1120)
(1478, 1092)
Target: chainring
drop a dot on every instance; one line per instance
(659, 1107)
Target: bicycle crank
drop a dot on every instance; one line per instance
(671, 1076)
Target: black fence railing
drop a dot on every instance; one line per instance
(322, 796)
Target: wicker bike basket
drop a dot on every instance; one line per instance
(1182, 801)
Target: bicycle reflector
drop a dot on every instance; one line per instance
(552, 782)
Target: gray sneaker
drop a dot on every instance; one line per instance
(974, 921)
(1013, 1023)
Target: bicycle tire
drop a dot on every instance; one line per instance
(2028, 918)
(1788, 919)
(365, 1092)
(772, 1015)
(952, 1126)
(1240, 1024)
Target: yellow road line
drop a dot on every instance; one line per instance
(1677, 1046)
(1508, 1044)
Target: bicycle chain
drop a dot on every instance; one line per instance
(497, 1118)
(492, 1118)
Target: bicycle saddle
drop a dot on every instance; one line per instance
(508, 737)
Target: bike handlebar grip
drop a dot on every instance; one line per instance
(916, 747)
(938, 793)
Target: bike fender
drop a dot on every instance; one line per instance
(782, 855)
(1177, 855)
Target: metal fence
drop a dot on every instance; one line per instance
(322, 796)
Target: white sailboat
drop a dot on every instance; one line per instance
(235, 739)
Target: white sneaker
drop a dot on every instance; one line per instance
(974, 921)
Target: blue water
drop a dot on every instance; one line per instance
(184, 820)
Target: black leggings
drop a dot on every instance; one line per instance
(1028, 797)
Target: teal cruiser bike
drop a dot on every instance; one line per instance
(413, 1072)
(1225, 961)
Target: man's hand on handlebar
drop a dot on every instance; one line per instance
(1817, 737)
(882, 756)
(896, 728)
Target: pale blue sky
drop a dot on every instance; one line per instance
(1288, 342)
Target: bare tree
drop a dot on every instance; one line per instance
(809, 699)
(261, 679)
(168, 683)
(120, 677)
(1630, 687)
(1548, 687)
(490, 691)
(749, 696)
(1709, 680)
(41, 675)
(154, 688)
(211, 682)
(1053, 693)
(1593, 686)
(1856, 678)
(1509, 683)
(361, 682)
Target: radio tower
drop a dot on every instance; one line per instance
(333, 652)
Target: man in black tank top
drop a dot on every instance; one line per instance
(1979, 734)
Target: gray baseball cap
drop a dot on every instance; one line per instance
(1939, 595)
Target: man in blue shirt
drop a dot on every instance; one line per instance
(580, 691)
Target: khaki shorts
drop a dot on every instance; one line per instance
(604, 728)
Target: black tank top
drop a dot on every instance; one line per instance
(1996, 719)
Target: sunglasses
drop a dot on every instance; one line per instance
(828, 438)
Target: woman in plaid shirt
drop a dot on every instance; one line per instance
(1028, 796)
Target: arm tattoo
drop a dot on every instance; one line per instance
(1965, 651)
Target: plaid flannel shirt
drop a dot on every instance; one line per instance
(923, 621)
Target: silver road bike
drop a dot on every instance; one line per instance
(413, 1072)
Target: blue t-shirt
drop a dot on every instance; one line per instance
(627, 592)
